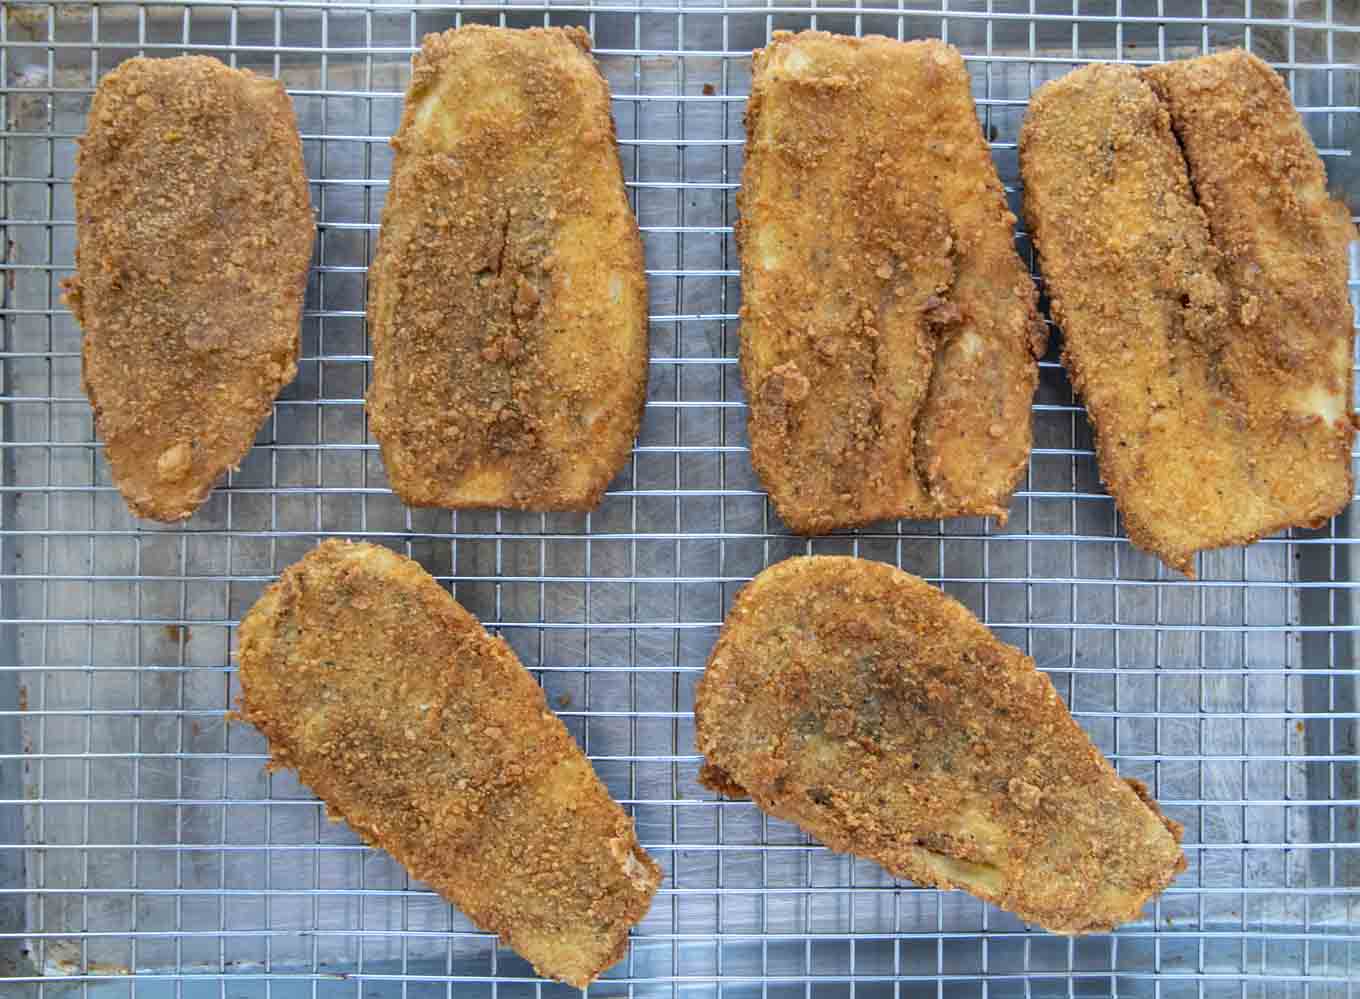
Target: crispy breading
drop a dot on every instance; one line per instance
(1204, 311)
(194, 233)
(508, 301)
(427, 735)
(1285, 245)
(889, 333)
(878, 714)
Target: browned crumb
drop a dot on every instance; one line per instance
(194, 234)
(430, 739)
(1201, 288)
(889, 332)
(878, 714)
(509, 301)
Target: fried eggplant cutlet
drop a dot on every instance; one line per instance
(878, 714)
(427, 735)
(509, 302)
(1197, 268)
(193, 237)
(889, 333)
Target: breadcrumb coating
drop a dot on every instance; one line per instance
(889, 332)
(194, 234)
(508, 301)
(429, 738)
(1197, 268)
(878, 714)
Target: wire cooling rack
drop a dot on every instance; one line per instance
(145, 852)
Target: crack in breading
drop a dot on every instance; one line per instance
(505, 241)
(942, 320)
(1213, 353)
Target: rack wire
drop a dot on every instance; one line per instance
(144, 852)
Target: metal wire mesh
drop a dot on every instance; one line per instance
(145, 852)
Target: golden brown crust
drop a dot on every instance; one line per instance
(874, 711)
(194, 234)
(889, 332)
(509, 300)
(1285, 245)
(1206, 325)
(427, 735)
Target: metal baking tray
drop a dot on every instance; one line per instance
(145, 852)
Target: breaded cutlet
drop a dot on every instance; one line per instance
(878, 714)
(1197, 268)
(194, 234)
(508, 300)
(429, 738)
(889, 338)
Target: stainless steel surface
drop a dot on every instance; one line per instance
(145, 852)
